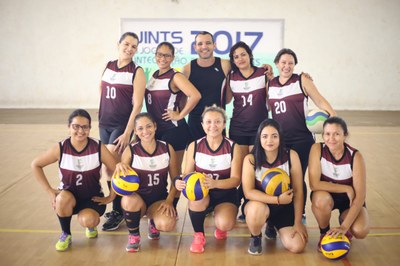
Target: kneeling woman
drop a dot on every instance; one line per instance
(338, 181)
(285, 210)
(218, 157)
(152, 160)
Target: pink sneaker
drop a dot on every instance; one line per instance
(154, 234)
(133, 243)
(198, 243)
(219, 234)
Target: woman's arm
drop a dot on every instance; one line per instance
(315, 96)
(189, 167)
(297, 185)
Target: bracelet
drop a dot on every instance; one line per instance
(277, 200)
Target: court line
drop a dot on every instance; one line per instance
(3, 230)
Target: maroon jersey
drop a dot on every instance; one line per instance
(250, 102)
(216, 164)
(160, 97)
(80, 172)
(282, 163)
(337, 171)
(151, 168)
(116, 95)
(289, 106)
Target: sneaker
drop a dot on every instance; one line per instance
(241, 218)
(219, 234)
(255, 247)
(113, 222)
(198, 243)
(64, 242)
(319, 242)
(91, 232)
(154, 234)
(270, 232)
(304, 219)
(133, 243)
(107, 215)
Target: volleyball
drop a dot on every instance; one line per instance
(194, 190)
(335, 248)
(125, 185)
(275, 181)
(315, 120)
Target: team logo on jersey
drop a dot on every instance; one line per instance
(151, 85)
(212, 164)
(280, 92)
(335, 172)
(112, 78)
(152, 164)
(246, 86)
(79, 165)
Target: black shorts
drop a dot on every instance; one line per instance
(281, 215)
(151, 198)
(243, 140)
(179, 137)
(218, 196)
(89, 204)
(341, 201)
(109, 135)
(196, 129)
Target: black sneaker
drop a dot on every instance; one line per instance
(255, 247)
(270, 232)
(107, 215)
(113, 222)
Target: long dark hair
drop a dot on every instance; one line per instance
(246, 48)
(258, 151)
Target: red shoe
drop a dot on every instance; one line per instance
(219, 234)
(198, 243)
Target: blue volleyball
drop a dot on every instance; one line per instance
(194, 190)
(315, 120)
(335, 248)
(275, 181)
(125, 185)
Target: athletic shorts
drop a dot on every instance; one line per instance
(179, 137)
(341, 201)
(89, 204)
(109, 135)
(243, 140)
(218, 196)
(151, 198)
(281, 215)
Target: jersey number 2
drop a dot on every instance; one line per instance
(280, 107)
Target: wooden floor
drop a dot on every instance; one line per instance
(29, 228)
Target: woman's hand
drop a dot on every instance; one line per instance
(209, 182)
(299, 228)
(286, 197)
(103, 200)
(180, 184)
(337, 231)
(121, 142)
(268, 71)
(170, 115)
(167, 209)
(122, 168)
(350, 194)
(53, 195)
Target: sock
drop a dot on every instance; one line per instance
(117, 204)
(65, 223)
(260, 235)
(197, 219)
(132, 220)
(324, 230)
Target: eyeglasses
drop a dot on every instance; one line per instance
(166, 56)
(83, 127)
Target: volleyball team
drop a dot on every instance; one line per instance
(267, 130)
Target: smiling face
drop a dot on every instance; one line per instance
(145, 129)
(241, 58)
(79, 128)
(213, 123)
(127, 48)
(204, 46)
(286, 65)
(270, 139)
(164, 58)
(334, 136)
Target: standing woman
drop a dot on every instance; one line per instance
(122, 91)
(152, 160)
(284, 211)
(338, 181)
(166, 92)
(247, 86)
(288, 101)
(219, 159)
(80, 158)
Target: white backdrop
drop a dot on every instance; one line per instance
(53, 52)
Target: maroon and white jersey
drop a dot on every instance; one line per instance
(289, 106)
(216, 164)
(160, 97)
(151, 168)
(282, 163)
(337, 171)
(116, 94)
(80, 172)
(250, 102)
